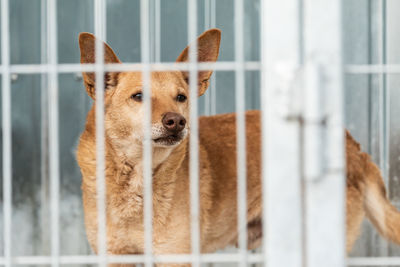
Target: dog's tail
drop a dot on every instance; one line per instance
(379, 210)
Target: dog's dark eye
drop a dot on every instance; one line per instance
(181, 98)
(137, 97)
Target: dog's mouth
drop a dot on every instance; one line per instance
(169, 140)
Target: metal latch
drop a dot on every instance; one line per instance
(314, 119)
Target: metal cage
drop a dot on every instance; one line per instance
(311, 66)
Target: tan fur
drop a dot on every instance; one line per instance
(366, 195)
(170, 166)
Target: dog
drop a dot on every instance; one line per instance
(170, 128)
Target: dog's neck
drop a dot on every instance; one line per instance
(128, 175)
(133, 156)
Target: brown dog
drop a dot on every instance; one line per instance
(171, 201)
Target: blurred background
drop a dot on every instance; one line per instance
(371, 33)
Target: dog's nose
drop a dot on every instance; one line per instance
(173, 122)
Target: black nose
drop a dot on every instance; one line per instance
(173, 122)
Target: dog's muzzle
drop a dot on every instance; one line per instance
(174, 125)
(173, 122)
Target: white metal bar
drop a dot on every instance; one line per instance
(373, 261)
(213, 83)
(147, 141)
(164, 258)
(44, 133)
(281, 164)
(7, 132)
(194, 135)
(53, 131)
(207, 96)
(207, 14)
(100, 29)
(157, 33)
(210, 22)
(240, 133)
(384, 101)
(381, 89)
(264, 129)
(383, 112)
(325, 198)
(213, 13)
(372, 69)
(167, 66)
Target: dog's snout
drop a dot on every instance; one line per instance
(173, 122)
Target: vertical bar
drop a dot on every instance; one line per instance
(100, 32)
(7, 131)
(147, 141)
(213, 82)
(152, 30)
(240, 134)
(157, 33)
(194, 135)
(53, 131)
(264, 128)
(325, 203)
(44, 133)
(209, 22)
(280, 55)
(382, 131)
(207, 96)
(384, 96)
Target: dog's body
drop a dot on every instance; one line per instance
(171, 197)
(217, 150)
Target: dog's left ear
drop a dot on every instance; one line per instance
(207, 51)
(87, 45)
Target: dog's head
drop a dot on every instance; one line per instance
(170, 100)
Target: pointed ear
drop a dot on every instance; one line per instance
(207, 51)
(87, 45)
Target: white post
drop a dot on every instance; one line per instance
(325, 203)
(7, 132)
(281, 148)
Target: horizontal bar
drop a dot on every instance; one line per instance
(171, 66)
(167, 258)
(373, 261)
(372, 69)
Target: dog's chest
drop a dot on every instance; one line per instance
(126, 198)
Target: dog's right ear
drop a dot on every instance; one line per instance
(207, 51)
(87, 45)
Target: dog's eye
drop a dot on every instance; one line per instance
(137, 97)
(181, 98)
